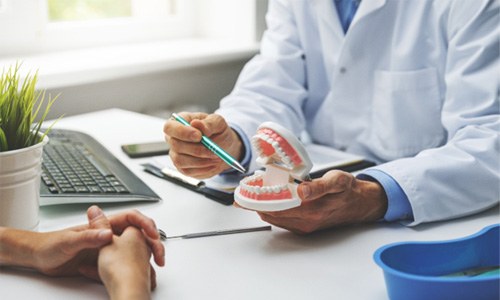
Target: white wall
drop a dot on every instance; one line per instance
(152, 93)
(172, 90)
(143, 84)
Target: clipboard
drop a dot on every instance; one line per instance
(198, 186)
(326, 158)
(350, 167)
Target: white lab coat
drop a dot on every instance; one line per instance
(413, 85)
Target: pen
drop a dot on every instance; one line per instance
(164, 237)
(210, 145)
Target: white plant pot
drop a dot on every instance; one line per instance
(20, 172)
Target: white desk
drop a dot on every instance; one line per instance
(276, 264)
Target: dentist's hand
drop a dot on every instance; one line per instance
(338, 198)
(189, 155)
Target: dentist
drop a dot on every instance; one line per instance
(412, 85)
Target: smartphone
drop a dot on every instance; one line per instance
(146, 149)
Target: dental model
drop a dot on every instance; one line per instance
(284, 158)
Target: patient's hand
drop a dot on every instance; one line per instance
(121, 221)
(124, 266)
(59, 253)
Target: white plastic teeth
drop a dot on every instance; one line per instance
(257, 189)
(285, 159)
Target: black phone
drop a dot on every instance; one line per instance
(146, 149)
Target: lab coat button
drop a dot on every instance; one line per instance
(342, 70)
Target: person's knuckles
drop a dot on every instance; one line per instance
(94, 212)
(189, 149)
(148, 223)
(177, 164)
(140, 218)
(176, 130)
(344, 180)
(318, 188)
(216, 124)
(341, 178)
(201, 152)
(134, 233)
(167, 138)
(189, 134)
(185, 171)
(168, 128)
(202, 126)
(175, 145)
(185, 162)
(304, 190)
(208, 125)
(96, 218)
(191, 116)
(336, 181)
(177, 159)
(100, 222)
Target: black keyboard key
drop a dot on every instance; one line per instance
(109, 190)
(95, 189)
(68, 190)
(53, 190)
(46, 179)
(121, 189)
(82, 189)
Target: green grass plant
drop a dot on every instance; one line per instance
(21, 110)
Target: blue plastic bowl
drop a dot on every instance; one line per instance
(428, 270)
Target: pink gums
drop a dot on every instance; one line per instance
(268, 149)
(284, 194)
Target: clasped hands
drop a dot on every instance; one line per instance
(115, 250)
(337, 198)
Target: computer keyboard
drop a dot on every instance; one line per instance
(76, 168)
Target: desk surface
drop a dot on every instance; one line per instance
(336, 264)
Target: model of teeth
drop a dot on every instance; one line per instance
(284, 158)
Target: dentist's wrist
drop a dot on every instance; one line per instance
(373, 198)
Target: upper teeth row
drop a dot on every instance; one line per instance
(277, 148)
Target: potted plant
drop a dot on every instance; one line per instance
(22, 113)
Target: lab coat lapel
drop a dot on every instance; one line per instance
(365, 8)
(330, 29)
(331, 32)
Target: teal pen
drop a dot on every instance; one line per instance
(210, 145)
